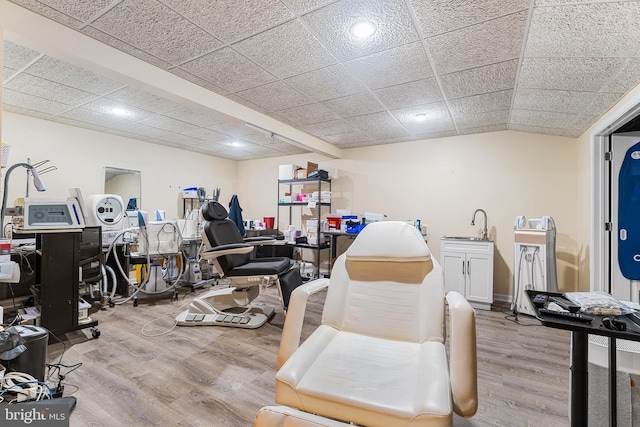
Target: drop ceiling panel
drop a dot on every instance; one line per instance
(47, 89)
(576, 74)
(541, 118)
(474, 81)
(229, 70)
(125, 47)
(234, 19)
(395, 66)
(233, 129)
(378, 125)
(307, 114)
(326, 83)
(145, 24)
(144, 130)
(205, 134)
(331, 127)
(16, 56)
(110, 106)
(626, 78)
(286, 50)
(612, 28)
(496, 120)
(348, 138)
(167, 123)
(544, 129)
(81, 10)
(302, 6)
(354, 105)
(482, 129)
(486, 43)
(552, 100)
(275, 96)
(143, 100)
(472, 105)
(195, 117)
(92, 118)
(331, 24)
(601, 103)
(66, 74)
(43, 9)
(418, 92)
(442, 16)
(21, 100)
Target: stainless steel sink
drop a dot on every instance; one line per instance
(468, 238)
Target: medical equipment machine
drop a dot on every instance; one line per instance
(534, 260)
(105, 210)
(52, 214)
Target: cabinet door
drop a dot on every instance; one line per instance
(454, 269)
(480, 278)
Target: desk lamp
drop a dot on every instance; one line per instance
(36, 181)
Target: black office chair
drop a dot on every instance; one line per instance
(231, 255)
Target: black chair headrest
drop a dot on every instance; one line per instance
(212, 211)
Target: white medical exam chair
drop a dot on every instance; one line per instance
(378, 358)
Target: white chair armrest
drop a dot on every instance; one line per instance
(232, 249)
(463, 362)
(292, 329)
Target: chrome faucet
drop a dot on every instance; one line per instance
(484, 229)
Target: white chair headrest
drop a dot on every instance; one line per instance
(391, 241)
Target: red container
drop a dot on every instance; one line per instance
(334, 222)
(269, 222)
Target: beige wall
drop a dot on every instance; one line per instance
(442, 182)
(80, 156)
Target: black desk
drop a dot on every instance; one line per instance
(580, 358)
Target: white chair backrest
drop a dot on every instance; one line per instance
(387, 285)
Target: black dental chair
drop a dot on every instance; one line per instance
(231, 255)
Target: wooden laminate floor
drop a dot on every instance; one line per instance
(214, 376)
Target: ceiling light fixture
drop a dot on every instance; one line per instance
(421, 117)
(234, 144)
(274, 136)
(117, 111)
(363, 29)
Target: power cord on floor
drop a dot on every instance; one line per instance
(513, 317)
(57, 368)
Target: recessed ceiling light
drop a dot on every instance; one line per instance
(363, 29)
(234, 144)
(421, 117)
(117, 111)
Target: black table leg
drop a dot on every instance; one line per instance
(579, 379)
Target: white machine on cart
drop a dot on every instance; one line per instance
(534, 260)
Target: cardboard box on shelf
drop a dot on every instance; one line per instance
(311, 167)
(300, 174)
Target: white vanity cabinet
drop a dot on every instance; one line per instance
(468, 268)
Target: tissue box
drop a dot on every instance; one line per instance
(190, 193)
